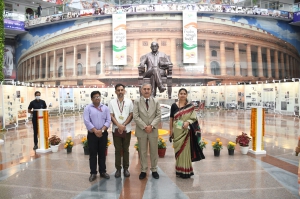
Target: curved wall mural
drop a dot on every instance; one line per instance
(230, 49)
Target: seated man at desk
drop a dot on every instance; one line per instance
(157, 63)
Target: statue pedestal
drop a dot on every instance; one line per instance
(43, 130)
(257, 130)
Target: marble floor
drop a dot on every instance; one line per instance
(26, 174)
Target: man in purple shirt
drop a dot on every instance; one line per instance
(97, 120)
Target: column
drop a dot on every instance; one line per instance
(223, 60)
(173, 51)
(87, 59)
(34, 69)
(40, 67)
(54, 64)
(23, 70)
(276, 64)
(260, 65)
(287, 57)
(249, 61)
(46, 66)
(282, 65)
(237, 60)
(102, 57)
(136, 60)
(75, 61)
(64, 63)
(207, 58)
(269, 66)
(30, 69)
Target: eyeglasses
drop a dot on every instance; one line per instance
(97, 97)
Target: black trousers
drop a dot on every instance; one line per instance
(35, 130)
(97, 147)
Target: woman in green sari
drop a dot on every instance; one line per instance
(184, 129)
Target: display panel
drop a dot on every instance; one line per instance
(10, 106)
(21, 103)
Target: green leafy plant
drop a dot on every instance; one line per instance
(217, 145)
(2, 38)
(136, 146)
(84, 142)
(69, 143)
(231, 145)
(54, 140)
(203, 143)
(161, 143)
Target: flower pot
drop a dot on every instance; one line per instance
(86, 150)
(230, 151)
(216, 152)
(244, 149)
(69, 150)
(161, 153)
(54, 148)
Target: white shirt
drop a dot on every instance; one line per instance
(116, 108)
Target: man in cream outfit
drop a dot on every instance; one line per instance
(121, 115)
(147, 116)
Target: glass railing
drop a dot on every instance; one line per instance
(14, 16)
(94, 10)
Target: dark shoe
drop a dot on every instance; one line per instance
(155, 175)
(92, 177)
(162, 89)
(118, 173)
(35, 147)
(126, 173)
(105, 175)
(142, 175)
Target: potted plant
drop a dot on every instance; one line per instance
(69, 144)
(231, 147)
(162, 146)
(85, 145)
(203, 144)
(243, 140)
(136, 146)
(217, 146)
(107, 145)
(54, 141)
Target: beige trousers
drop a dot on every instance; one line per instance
(143, 148)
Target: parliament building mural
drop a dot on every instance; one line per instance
(230, 49)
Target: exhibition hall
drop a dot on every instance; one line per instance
(150, 99)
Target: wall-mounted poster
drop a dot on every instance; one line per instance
(52, 99)
(222, 96)
(269, 96)
(66, 99)
(231, 96)
(21, 103)
(287, 96)
(213, 96)
(195, 93)
(9, 105)
(241, 96)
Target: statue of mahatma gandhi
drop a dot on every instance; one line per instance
(154, 65)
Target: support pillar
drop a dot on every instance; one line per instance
(276, 64)
(237, 60)
(223, 60)
(260, 65)
(87, 59)
(269, 66)
(249, 61)
(207, 58)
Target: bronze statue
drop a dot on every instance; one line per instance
(156, 65)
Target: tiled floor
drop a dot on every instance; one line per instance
(25, 174)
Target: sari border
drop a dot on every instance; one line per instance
(190, 108)
(182, 146)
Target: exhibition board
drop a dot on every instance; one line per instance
(279, 97)
(231, 92)
(21, 103)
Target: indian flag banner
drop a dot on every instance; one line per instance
(119, 39)
(189, 37)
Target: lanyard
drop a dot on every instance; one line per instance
(99, 109)
(121, 110)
